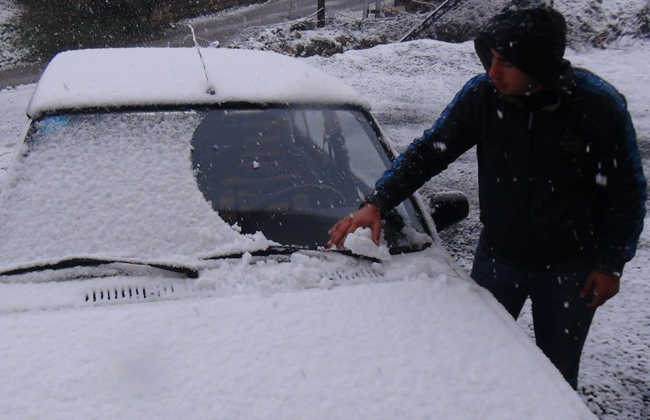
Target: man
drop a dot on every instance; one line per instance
(561, 188)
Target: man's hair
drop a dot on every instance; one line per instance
(531, 36)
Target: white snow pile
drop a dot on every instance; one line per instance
(360, 242)
(302, 271)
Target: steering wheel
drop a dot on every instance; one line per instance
(299, 189)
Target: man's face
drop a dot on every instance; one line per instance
(509, 79)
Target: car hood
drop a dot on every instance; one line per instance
(313, 337)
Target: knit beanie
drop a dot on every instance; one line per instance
(533, 39)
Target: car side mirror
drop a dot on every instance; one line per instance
(448, 208)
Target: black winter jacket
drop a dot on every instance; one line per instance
(560, 176)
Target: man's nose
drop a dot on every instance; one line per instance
(495, 70)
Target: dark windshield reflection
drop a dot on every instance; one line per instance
(290, 173)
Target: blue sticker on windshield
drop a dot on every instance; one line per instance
(53, 124)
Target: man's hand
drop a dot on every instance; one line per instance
(601, 286)
(367, 216)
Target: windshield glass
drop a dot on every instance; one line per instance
(145, 185)
(292, 172)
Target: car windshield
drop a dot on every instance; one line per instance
(292, 172)
(166, 185)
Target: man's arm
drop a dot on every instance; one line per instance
(624, 191)
(449, 137)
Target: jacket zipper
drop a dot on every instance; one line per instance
(528, 181)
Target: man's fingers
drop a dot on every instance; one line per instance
(588, 287)
(600, 288)
(334, 228)
(597, 299)
(376, 233)
(339, 231)
(589, 292)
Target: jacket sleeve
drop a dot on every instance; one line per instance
(449, 137)
(624, 191)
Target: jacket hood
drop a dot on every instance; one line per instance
(533, 39)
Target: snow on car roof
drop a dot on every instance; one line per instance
(128, 77)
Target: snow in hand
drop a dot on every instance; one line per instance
(360, 242)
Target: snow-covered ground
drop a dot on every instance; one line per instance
(408, 85)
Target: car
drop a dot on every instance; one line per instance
(163, 254)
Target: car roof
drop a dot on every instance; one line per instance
(143, 77)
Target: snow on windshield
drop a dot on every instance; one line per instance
(140, 200)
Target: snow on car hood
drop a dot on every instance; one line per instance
(427, 347)
(77, 193)
(123, 77)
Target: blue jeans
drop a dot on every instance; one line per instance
(560, 318)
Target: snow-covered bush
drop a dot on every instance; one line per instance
(590, 22)
(341, 33)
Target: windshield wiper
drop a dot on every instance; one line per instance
(291, 249)
(190, 272)
(266, 252)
